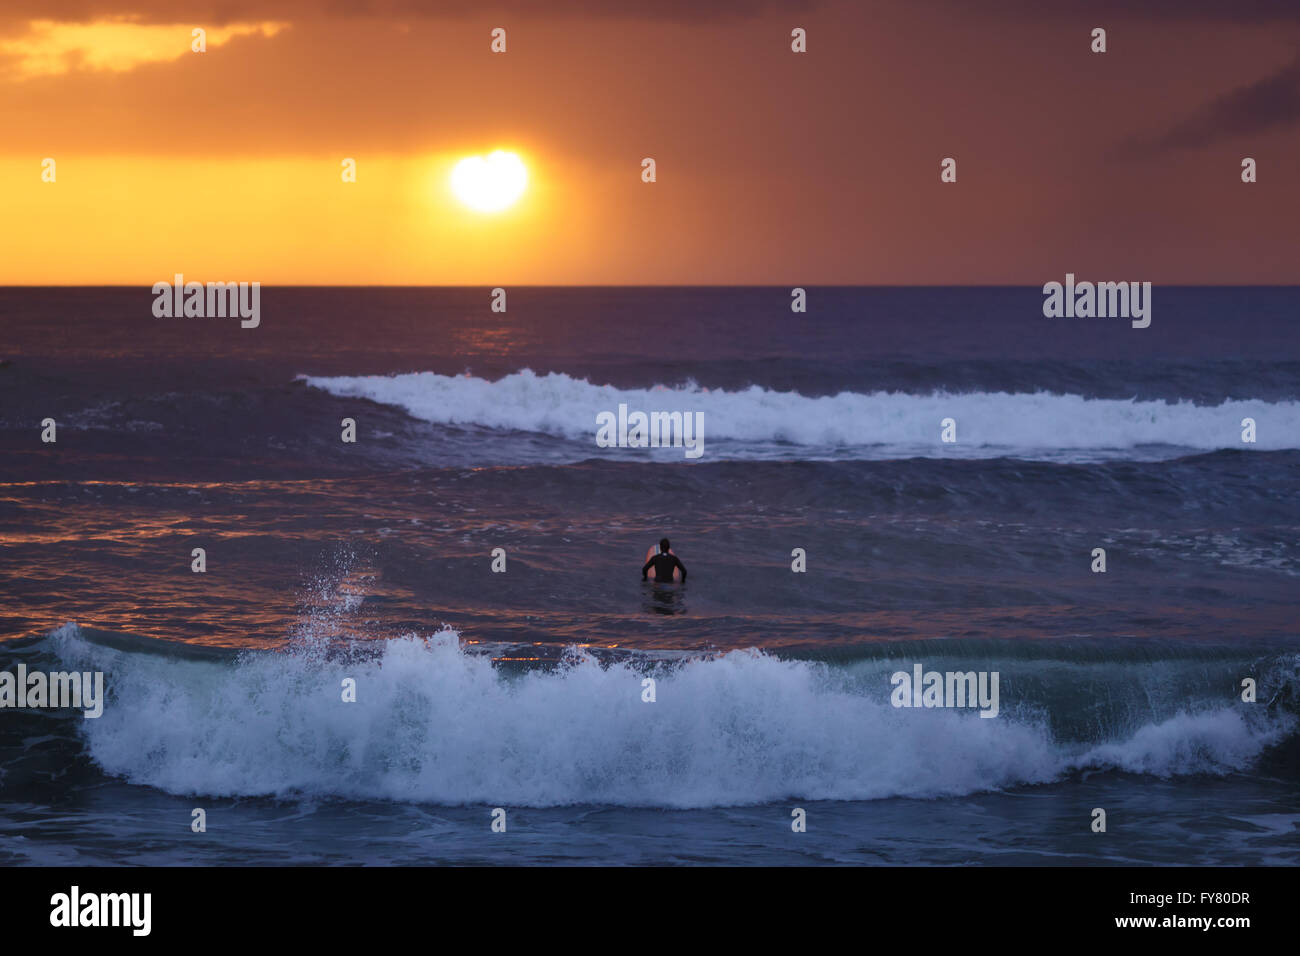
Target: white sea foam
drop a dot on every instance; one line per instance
(849, 423)
(434, 724)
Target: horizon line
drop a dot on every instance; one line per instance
(656, 285)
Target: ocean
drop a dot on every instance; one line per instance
(370, 564)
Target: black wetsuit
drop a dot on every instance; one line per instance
(663, 565)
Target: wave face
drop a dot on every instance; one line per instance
(435, 724)
(757, 421)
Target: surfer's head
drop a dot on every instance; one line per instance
(663, 545)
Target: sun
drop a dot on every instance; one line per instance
(491, 183)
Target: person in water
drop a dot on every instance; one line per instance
(664, 563)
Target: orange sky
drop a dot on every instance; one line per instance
(773, 167)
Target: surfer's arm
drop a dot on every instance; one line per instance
(646, 568)
(681, 566)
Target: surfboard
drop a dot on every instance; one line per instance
(654, 549)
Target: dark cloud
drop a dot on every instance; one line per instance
(1269, 104)
(1236, 11)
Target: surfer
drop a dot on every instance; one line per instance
(664, 564)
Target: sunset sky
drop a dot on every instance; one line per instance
(772, 167)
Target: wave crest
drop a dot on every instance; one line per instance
(853, 422)
(435, 724)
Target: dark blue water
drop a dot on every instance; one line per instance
(476, 430)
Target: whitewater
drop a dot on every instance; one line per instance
(884, 424)
(433, 723)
